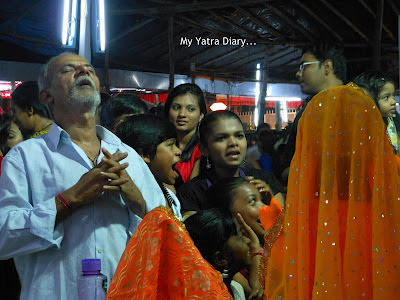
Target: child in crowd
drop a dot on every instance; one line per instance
(381, 89)
(185, 107)
(223, 145)
(234, 247)
(239, 195)
(114, 110)
(154, 139)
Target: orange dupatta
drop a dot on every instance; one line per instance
(341, 234)
(161, 262)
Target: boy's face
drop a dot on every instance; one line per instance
(163, 164)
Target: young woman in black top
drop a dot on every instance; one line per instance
(223, 145)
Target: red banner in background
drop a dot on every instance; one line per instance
(249, 101)
(152, 97)
(5, 94)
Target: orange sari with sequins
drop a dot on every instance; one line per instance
(161, 262)
(341, 228)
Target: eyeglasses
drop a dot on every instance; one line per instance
(304, 64)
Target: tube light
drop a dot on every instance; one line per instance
(65, 22)
(69, 23)
(102, 26)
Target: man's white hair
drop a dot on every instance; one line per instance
(44, 81)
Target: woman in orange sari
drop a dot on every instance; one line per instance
(341, 233)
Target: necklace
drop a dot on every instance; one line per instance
(168, 196)
(94, 160)
(45, 127)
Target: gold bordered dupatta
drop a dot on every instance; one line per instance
(162, 262)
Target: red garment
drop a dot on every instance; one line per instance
(185, 167)
(162, 262)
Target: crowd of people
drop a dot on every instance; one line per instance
(168, 202)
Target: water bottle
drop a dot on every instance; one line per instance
(92, 285)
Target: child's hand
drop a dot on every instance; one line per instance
(263, 188)
(249, 233)
(256, 288)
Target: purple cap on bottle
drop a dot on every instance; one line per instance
(91, 265)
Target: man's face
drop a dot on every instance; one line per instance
(312, 78)
(74, 83)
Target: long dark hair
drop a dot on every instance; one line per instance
(184, 89)
(222, 193)
(119, 105)
(373, 82)
(5, 125)
(26, 95)
(210, 230)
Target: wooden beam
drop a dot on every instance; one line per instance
(164, 54)
(257, 54)
(233, 24)
(196, 24)
(279, 51)
(148, 44)
(21, 16)
(369, 9)
(376, 55)
(345, 19)
(187, 7)
(283, 55)
(130, 30)
(254, 19)
(288, 20)
(318, 19)
(221, 56)
(394, 7)
(171, 52)
(185, 20)
(29, 39)
(186, 58)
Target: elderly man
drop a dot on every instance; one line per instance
(63, 196)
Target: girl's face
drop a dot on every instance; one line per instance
(185, 113)
(247, 201)
(239, 245)
(386, 101)
(163, 164)
(14, 136)
(226, 143)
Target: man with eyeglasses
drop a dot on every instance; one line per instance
(322, 66)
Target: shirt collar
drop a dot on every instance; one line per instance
(57, 134)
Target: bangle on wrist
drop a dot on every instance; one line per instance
(64, 202)
(256, 253)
